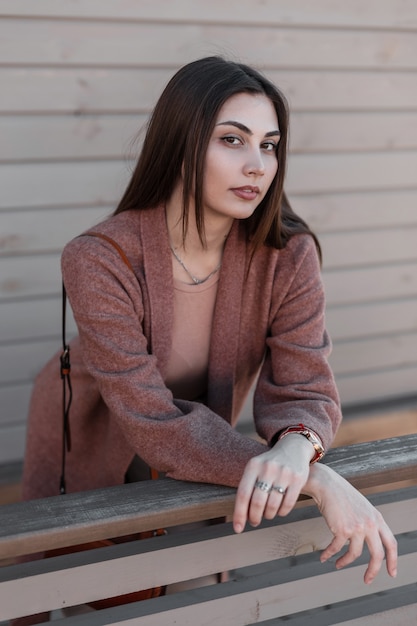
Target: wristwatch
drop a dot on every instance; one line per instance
(309, 434)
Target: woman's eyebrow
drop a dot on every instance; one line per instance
(245, 129)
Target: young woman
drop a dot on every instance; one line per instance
(221, 287)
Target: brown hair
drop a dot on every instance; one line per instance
(176, 142)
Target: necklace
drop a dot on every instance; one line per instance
(196, 281)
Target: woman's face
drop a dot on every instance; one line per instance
(241, 159)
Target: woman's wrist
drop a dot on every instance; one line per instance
(298, 445)
(310, 435)
(318, 482)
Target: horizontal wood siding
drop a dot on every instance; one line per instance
(78, 81)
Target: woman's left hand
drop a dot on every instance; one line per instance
(353, 520)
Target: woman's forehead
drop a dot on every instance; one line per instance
(253, 110)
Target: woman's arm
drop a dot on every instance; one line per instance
(296, 384)
(185, 439)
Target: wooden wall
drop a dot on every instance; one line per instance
(79, 78)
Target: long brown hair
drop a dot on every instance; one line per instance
(176, 142)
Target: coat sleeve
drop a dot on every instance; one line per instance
(185, 439)
(296, 384)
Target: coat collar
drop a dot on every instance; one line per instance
(226, 322)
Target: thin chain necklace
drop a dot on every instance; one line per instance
(196, 281)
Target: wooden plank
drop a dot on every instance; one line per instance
(45, 42)
(21, 362)
(366, 387)
(361, 248)
(300, 12)
(14, 402)
(377, 318)
(363, 426)
(45, 230)
(330, 212)
(12, 443)
(350, 461)
(404, 615)
(368, 611)
(352, 131)
(116, 511)
(375, 353)
(164, 560)
(79, 91)
(102, 182)
(36, 276)
(259, 598)
(94, 90)
(355, 285)
(330, 90)
(26, 320)
(37, 138)
(63, 184)
(356, 172)
(171, 559)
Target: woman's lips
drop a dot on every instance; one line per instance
(247, 192)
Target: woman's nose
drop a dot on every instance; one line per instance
(255, 164)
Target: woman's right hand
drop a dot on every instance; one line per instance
(352, 519)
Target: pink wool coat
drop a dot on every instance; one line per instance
(269, 318)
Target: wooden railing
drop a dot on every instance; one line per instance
(274, 569)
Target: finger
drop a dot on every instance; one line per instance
(376, 545)
(391, 551)
(260, 496)
(243, 497)
(273, 504)
(377, 556)
(352, 553)
(289, 500)
(337, 543)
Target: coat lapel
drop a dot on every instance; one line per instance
(159, 282)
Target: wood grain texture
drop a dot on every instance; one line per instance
(45, 230)
(381, 385)
(78, 91)
(115, 511)
(361, 355)
(352, 14)
(373, 15)
(355, 211)
(132, 566)
(272, 587)
(82, 43)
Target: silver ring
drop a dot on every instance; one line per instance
(263, 486)
(278, 488)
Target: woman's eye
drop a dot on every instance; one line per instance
(269, 146)
(232, 140)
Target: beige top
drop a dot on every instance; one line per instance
(193, 316)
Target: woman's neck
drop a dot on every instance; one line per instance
(192, 257)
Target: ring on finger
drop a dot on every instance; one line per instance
(263, 486)
(278, 488)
